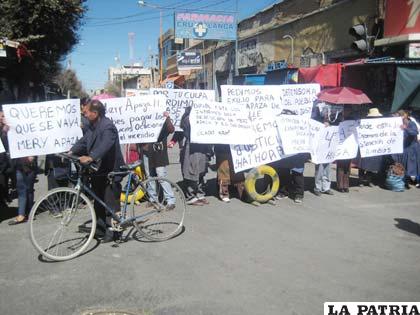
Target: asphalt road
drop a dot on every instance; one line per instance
(233, 258)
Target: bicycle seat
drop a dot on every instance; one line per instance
(131, 166)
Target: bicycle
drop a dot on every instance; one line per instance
(62, 223)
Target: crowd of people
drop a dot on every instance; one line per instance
(100, 143)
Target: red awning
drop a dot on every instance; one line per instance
(326, 75)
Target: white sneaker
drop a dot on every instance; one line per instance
(225, 199)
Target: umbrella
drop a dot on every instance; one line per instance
(343, 95)
(102, 96)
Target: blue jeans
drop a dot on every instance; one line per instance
(25, 189)
(151, 189)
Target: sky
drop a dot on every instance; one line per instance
(104, 34)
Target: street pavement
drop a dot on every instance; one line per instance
(233, 258)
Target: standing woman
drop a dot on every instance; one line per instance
(409, 157)
(370, 167)
(193, 164)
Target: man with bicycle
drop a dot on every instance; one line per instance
(100, 145)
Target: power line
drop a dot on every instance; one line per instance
(155, 17)
(175, 6)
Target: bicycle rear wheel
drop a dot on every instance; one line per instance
(61, 226)
(160, 213)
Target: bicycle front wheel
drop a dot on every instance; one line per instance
(62, 224)
(159, 215)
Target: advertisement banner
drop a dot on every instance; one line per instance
(205, 26)
(188, 60)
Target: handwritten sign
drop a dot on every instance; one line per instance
(297, 99)
(265, 149)
(138, 119)
(214, 122)
(42, 128)
(348, 144)
(294, 134)
(380, 136)
(2, 149)
(261, 106)
(178, 99)
(325, 141)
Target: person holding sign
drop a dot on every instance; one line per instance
(193, 164)
(155, 158)
(328, 115)
(409, 157)
(370, 167)
(100, 144)
(26, 171)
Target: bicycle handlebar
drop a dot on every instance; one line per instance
(93, 166)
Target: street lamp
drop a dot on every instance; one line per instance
(143, 3)
(292, 46)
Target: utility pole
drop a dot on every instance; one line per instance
(236, 41)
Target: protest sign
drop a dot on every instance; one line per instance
(42, 128)
(296, 99)
(2, 149)
(178, 99)
(138, 119)
(265, 149)
(324, 143)
(264, 103)
(294, 134)
(299, 98)
(348, 144)
(214, 122)
(261, 104)
(380, 136)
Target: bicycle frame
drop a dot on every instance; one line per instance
(123, 221)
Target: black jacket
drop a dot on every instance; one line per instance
(102, 144)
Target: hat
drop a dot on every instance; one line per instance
(374, 112)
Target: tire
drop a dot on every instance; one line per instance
(58, 232)
(154, 221)
(251, 182)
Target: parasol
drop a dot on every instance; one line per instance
(344, 95)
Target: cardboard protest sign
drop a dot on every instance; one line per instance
(294, 134)
(348, 144)
(214, 122)
(2, 149)
(380, 136)
(178, 99)
(138, 119)
(42, 128)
